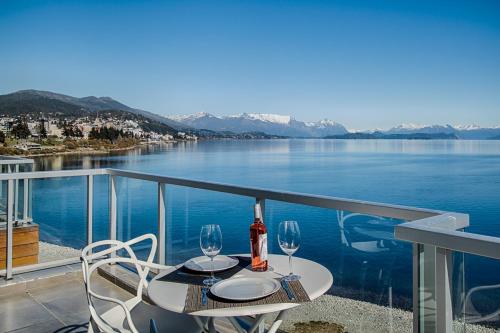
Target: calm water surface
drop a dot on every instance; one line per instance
(461, 176)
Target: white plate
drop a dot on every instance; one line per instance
(203, 264)
(245, 288)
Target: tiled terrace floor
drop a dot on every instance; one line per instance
(54, 301)
(50, 304)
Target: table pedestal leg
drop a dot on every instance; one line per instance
(201, 323)
(211, 325)
(279, 319)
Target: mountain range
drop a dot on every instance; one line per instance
(288, 126)
(465, 132)
(46, 102)
(38, 103)
(258, 122)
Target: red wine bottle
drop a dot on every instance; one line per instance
(258, 241)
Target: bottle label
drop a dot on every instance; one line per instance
(263, 246)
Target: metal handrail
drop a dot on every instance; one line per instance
(365, 207)
(13, 160)
(431, 231)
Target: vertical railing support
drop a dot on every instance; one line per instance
(16, 194)
(10, 230)
(161, 224)
(444, 312)
(416, 282)
(90, 202)
(30, 198)
(112, 208)
(26, 203)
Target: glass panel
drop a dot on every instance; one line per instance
(372, 272)
(479, 302)
(3, 203)
(189, 209)
(100, 223)
(59, 211)
(137, 211)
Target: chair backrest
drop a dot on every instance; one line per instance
(92, 261)
(345, 233)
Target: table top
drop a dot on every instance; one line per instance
(316, 280)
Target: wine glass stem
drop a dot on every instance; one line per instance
(290, 264)
(212, 270)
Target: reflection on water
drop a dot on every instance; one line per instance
(280, 147)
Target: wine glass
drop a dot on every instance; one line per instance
(211, 244)
(289, 241)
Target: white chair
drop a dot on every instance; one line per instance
(133, 315)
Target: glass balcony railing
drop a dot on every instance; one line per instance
(395, 269)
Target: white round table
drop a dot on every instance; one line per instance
(315, 279)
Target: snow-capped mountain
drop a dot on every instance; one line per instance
(428, 129)
(470, 132)
(268, 117)
(284, 125)
(273, 124)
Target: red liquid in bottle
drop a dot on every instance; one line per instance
(258, 242)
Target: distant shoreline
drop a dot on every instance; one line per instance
(6, 151)
(78, 151)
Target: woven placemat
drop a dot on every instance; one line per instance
(186, 276)
(194, 280)
(194, 298)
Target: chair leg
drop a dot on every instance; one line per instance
(152, 326)
(93, 328)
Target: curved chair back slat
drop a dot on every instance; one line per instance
(91, 261)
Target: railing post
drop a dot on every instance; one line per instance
(25, 199)
(444, 314)
(90, 201)
(112, 208)
(416, 282)
(161, 224)
(30, 198)
(9, 241)
(16, 194)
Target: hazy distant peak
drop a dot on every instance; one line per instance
(409, 126)
(470, 127)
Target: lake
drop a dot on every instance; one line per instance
(460, 176)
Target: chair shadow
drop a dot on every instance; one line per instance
(73, 328)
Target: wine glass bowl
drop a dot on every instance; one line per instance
(289, 242)
(211, 244)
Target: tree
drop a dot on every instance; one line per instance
(42, 131)
(77, 132)
(68, 131)
(21, 130)
(2, 137)
(108, 133)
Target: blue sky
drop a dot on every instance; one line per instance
(366, 64)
